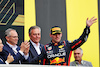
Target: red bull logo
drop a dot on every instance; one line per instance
(57, 60)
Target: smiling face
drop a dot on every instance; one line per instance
(35, 35)
(56, 37)
(1, 45)
(12, 38)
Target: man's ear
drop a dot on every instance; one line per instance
(61, 34)
(29, 34)
(50, 35)
(7, 38)
(82, 54)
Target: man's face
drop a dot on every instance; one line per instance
(12, 38)
(35, 35)
(78, 55)
(56, 38)
(1, 45)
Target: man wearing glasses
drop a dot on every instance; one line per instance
(20, 54)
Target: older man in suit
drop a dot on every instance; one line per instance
(35, 46)
(20, 54)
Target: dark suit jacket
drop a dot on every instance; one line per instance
(1, 60)
(17, 58)
(33, 53)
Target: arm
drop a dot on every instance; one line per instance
(26, 52)
(9, 59)
(77, 43)
(8, 50)
(20, 54)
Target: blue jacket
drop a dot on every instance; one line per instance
(18, 58)
(1, 60)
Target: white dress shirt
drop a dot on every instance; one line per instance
(37, 47)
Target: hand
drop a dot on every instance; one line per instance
(27, 49)
(91, 21)
(10, 58)
(24, 46)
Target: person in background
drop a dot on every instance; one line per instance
(78, 53)
(20, 54)
(35, 46)
(9, 58)
(58, 52)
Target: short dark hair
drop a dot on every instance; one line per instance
(34, 27)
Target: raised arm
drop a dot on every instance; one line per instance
(83, 38)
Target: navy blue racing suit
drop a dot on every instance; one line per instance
(60, 53)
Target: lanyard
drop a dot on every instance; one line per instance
(78, 64)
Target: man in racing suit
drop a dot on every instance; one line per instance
(59, 53)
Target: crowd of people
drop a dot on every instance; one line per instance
(53, 53)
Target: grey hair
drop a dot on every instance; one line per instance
(7, 32)
(80, 49)
(34, 27)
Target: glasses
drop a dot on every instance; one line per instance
(14, 36)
